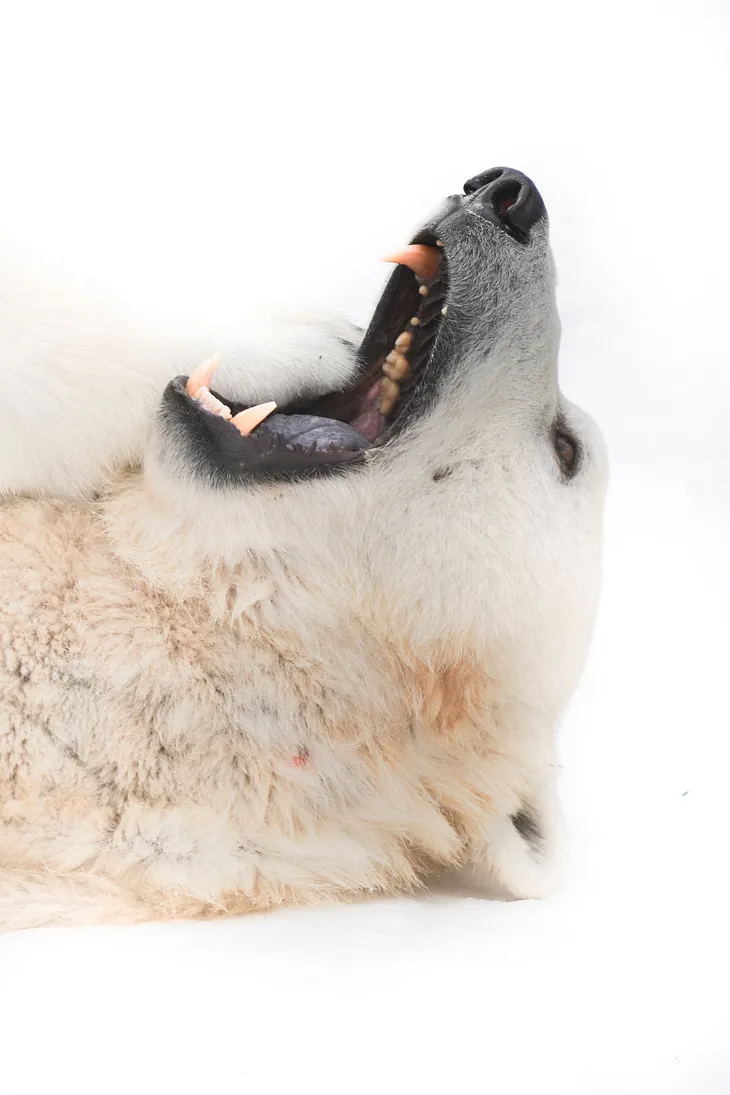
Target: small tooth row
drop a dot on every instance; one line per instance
(209, 401)
(389, 392)
(396, 367)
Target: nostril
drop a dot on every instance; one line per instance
(504, 197)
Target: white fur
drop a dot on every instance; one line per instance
(80, 381)
(224, 700)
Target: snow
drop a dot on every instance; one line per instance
(159, 151)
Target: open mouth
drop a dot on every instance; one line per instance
(396, 348)
(400, 357)
(338, 428)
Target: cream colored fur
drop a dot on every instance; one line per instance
(217, 701)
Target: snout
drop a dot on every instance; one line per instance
(506, 198)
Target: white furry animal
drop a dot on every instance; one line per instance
(317, 661)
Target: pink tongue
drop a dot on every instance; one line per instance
(370, 421)
(423, 261)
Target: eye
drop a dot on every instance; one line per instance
(566, 450)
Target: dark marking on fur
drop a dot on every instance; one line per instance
(528, 826)
(442, 473)
(349, 344)
(65, 749)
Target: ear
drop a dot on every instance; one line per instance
(521, 854)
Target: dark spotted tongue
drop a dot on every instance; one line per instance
(289, 445)
(310, 432)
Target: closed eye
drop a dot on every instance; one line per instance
(566, 450)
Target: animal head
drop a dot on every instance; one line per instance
(446, 484)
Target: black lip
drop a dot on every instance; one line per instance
(284, 446)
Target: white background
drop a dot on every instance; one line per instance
(191, 160)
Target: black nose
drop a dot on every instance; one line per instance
(507, 198)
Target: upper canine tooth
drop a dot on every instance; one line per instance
(439, 243)
(414, 321)
(444, 310)
(423, 290)
(422, 260)
(403, 341)
(202, 376)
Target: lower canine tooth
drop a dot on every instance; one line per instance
(423, 291)
(248, 420)
(415, 321)
(444, 310)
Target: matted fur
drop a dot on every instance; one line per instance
(213, 701)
